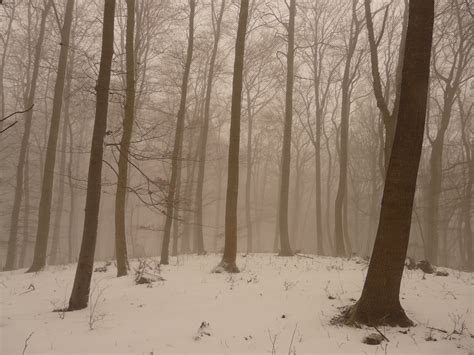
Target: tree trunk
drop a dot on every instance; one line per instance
(26, 214)
(285, 249)
(228, 262)
(344, 139)
(205, 130)
(44, 215)
(80, 291)
(178, 139)
(379, 302)
(11, 251)
(127, 127)
(248, 175)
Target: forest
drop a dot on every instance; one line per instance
(224, 176)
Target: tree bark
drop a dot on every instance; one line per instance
(379, 302)
(178, 139)
(80, 291)
(228, 262)
(44, 215)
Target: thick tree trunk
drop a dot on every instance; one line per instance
(12, 240)
(127, 128)
(80, 291)
(285, 249)
(44, 215)
(178, 139)
(228, 262)
(379, 302)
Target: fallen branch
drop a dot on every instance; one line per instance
(381, 333)
(26, 343)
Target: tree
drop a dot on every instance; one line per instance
(178, 139)
(379, 302)
(44, 214)
(348, 79)
(80, 291)
(285, 248)
(450, 61)
(22, 159)
(216, 25)
(228, 262)
(127, 126)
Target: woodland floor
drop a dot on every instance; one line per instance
(275, 304)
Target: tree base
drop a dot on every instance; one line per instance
(225, 266)
(34, 268)
(286, 253)
(363, 313)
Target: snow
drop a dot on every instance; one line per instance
(288, 301)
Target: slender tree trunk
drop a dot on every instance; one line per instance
(341, 196)
(228, 262)
(379, 302)
(44, 215)
(248, 176)
(26, 214)
(174, 247)
(80, 291)
(15, 214)
(205, 130)
(127, 127)
(72, 195)
(178, 140)
(286, 148)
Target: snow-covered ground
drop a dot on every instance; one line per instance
(274, 305)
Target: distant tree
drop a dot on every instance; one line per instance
(347, 85)
(216, 26)
(380, 303)
(228, 262)
(22, 159)
(127, 127)
(80, 291)
(44, 214)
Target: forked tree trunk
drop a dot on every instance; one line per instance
(44, 215)
(82, 281)
(379, 302)
(229, 258)
(285, 249)
(127, 128)
(12, 240)
(178, 140)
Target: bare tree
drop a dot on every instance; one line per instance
(228, 262)
(80, 291)
(44, 214)
(379, 302)
(12, 241)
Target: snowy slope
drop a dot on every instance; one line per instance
(256, 311)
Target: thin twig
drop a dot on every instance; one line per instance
(26, 343)
(381, 334)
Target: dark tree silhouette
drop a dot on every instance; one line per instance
(80, 291)
(379, 302)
